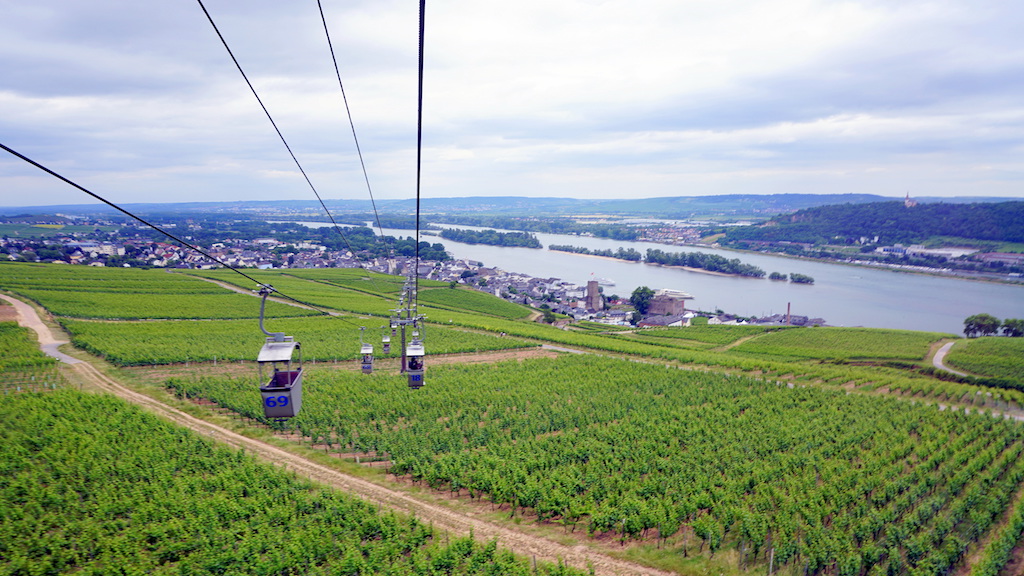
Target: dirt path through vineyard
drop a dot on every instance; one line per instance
(442, 518)
(940, 350)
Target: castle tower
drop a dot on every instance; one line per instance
(594, 299)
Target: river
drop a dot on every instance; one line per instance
(841, 294)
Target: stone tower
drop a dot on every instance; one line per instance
(594, 299)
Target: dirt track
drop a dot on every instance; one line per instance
(442, 518)
(940, 355)
(27, 317)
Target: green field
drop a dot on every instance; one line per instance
(106, 305)
(125, 293)
(467, 300)
(587, 326)
(990, 356)
(700, 337)
(15, 275)
(694, 444)
(806, 354)
(624, 449)
(352, 278)
(23, 367)
(20, 348)
(843, 343)
(362, 292)
(320, 294)
(45, 231)
(94, 486)
(356, 279)
(323, 339)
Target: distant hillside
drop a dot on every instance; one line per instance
(678, 207)
(893, 223)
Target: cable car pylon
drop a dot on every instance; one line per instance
(414, 353)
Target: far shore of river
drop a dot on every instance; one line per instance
(687, 268)
(938, 272)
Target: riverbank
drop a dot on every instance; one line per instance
(701, 271)
(845, 295)
(609, 258)
(903, 268)
(899, 268)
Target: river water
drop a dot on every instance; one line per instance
(843, 295)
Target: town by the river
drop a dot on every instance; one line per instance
(844, 295)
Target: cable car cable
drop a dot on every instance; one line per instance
(388, 248)
(413, 355)
(122, 210)
(341, 86)
(413, 297)
(419, 155)
(284, 141)
(274, 124)
(351, 123)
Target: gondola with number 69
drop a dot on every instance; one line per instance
(282, 392)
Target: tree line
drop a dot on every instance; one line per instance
(629, 254)
(892, 222)
(492, 238)
(989, 325)
(699, 260)
(547, 225)
(703, 261)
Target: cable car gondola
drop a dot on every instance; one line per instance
(366, 350)
(282, 392)
(414, 367)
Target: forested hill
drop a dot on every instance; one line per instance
(892, 222)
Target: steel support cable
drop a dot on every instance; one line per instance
(284, 141)
(388, 250)
(419, 158)
(160, 230)
(274, 124)
(351, 123)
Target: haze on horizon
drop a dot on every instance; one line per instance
(582, 98)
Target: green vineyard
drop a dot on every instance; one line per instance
(705, 336)
(20, 349)
(82, 292)
(990, 356)
(699, 450)
(820, 479)
(377, 300)
(843, 343)
(323, 339)
(23, 368)
(120, 492)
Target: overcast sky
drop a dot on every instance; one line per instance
(139, 101)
